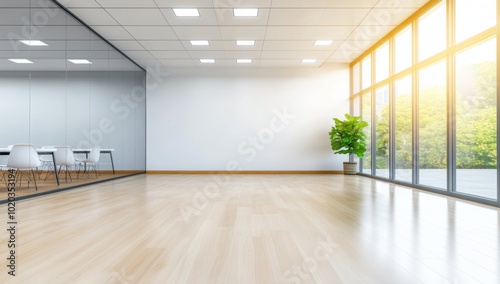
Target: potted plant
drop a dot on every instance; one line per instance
(348, 137)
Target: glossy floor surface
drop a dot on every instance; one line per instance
(252, 229)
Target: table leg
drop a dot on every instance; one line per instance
(55, 168)
(112, 163)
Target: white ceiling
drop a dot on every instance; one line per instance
(285, 30)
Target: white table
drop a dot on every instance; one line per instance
(6, 152)
(103, 151)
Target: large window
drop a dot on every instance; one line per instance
(476, 162)
(432, 32)
(432, 158)
(474, 17)
(429, 92)
(366, 114)
(403, 128)
(382, 133)
(403, 49)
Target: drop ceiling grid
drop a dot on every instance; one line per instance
(285, 30)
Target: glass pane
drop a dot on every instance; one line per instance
(476, 120)
(382, 63)
(403, 118)
(367, 116)
(355, 106)
(474, 17)
(355, 78)
(403, 49)
(432, 32)
(367, 72)
(432, 126)
(382, 143)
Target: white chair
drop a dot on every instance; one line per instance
(91, 162)
(24, 159)
(65, 159)
(47, 162)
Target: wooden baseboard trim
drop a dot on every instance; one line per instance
(245, 172)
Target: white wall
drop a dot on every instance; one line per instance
(206, 119)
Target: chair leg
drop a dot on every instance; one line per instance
(34, 179)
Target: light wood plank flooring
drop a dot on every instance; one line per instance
(252, 229)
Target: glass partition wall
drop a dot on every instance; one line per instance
(429, 91)
(62, 85)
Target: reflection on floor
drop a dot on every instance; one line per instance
(50, 184)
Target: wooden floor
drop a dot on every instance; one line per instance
(252, 229)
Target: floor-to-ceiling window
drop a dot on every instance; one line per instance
(429, 92)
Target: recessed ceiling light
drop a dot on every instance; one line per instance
(206, 61)
(199, 42)
(323, 42)
(246, 12)
(21, 61)
(308, 60)
(186, 12)
(244, 61)
(245, 42)
(79, 61)
(33, 42)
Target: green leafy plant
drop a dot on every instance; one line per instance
(348, 137)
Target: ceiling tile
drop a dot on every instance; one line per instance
(385, 17)
(197, 32)
(207, 18)
(356, 45)
(139, 54)
(343, 17)
(185, 3)
(125, 45)
(97, 17)
(289, 54)
(370, 33)
(353, 4)
(395, 5)
(299, 45)
(308, 32)
(163, 54)
(177, 62)
(242, 4)
(207, 54)
(213, 45)
(287, 63)
(127, 3)
(151, 32)
(243, 32)
(244, 54)
(346, 55)
(13, 16)
(162, 44)
(225, 17)
(231, 45)
(295, 17)
(75, 3)
(324, 3)
(113, 32)
(139, 17)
